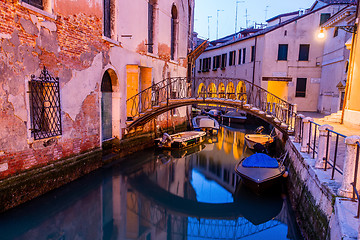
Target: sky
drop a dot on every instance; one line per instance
(257, 11)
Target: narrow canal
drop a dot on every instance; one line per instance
(186, 194)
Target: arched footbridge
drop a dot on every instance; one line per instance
(228, 92)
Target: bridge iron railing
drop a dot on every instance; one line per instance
(245, 93)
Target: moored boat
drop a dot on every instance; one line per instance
(180, 140)
(258, 138)
(215, 113)
(205, 123)
(233, 117)
(260, 172)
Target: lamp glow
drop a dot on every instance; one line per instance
(321, 34)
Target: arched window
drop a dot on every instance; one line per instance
(174, 21)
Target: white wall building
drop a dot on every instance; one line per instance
(284, 58)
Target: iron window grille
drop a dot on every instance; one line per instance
(45, 106)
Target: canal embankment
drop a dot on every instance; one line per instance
(321, 212)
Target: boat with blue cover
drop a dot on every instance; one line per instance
(260, 171)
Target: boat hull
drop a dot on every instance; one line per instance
(263, 139)
(260, 179)
(182, 140)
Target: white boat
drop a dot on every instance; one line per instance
(258, 138)
(234, 117)
(180, 140)
(263, 139)
(205, 123)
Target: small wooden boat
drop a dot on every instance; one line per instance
(233, 117)
(206, 124)
(180, 140)
(260, 172)
(258, 137)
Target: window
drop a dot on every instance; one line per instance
(239, 61)
(35, 3)
(216, 62)
(173, 31)
(45, 106)
(206, 64)
(150, 27)
(232, 57)
(285, 33)
(336, 31)
(304, 52)
(300, 87)
(244, 55)
(223, 61)
(282, 52)
(200, 65)
(252, 54)
(107, 18)
(324, 17)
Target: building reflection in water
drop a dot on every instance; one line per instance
(187, 194)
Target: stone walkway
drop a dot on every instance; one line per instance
(345, 209)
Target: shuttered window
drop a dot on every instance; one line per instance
(244, 55)
(324, 17)
(239, 61)
(150, 27)
(300, 87)
(252, 54)
(232, 57)
(282, 52)
(304, 52)
(107, 19)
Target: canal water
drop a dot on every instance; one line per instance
(150, 195)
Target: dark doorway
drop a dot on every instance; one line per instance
(106, 107)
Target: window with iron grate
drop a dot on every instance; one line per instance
(45, 106)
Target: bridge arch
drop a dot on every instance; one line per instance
(212, 91)
(248, 97)
(230, 91)
(221, 90)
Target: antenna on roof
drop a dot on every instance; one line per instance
(266, 10)
(246, 18)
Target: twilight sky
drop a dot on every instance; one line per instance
(226, 21)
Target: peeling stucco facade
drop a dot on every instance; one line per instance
(67, 38)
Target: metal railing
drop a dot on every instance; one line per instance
(313, 133)
(179, 88)
(355, 191)
(334, 151)
(327, 157)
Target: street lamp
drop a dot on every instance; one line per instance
(217, 23)
(348, 28)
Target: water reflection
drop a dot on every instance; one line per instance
(187, 194)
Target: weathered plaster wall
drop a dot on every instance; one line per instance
(67, 38)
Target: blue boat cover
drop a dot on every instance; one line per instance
(260, 160)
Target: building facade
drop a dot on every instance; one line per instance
(284, 58)
(68, 67)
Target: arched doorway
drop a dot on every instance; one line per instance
(106, 107)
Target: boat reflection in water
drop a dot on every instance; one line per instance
(192, 195)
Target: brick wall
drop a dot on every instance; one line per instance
(28, 41)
